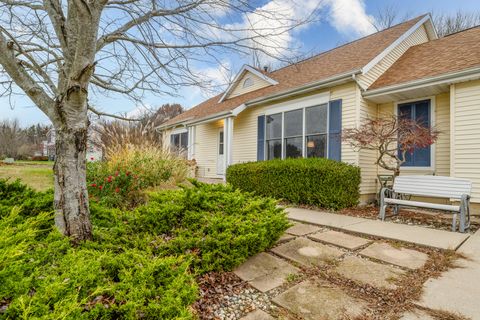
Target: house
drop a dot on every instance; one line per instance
(300, 110)
(94, 152)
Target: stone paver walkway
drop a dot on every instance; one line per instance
(401, 257)
(288, 278)
(458, 290)
(368, 272)
(340, 239)
(307, 252)
(318, 300)
(428, 237)
(265, 272)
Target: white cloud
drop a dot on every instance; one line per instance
(139, 111)
(349, 17)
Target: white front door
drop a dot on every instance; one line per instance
(221, 153)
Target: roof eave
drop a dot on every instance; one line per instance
(328, 82)
(446, 78)
(238, 77)
(399, 40)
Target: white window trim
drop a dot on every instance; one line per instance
(301, 103)
(304, 135)
(179, 130)
(433, 115)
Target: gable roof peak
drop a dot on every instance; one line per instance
(246, 68)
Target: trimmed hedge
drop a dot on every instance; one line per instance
(313, 181)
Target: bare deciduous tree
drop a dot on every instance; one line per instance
(114, 134)
(392, 137)
(447, 24)
(58, 52)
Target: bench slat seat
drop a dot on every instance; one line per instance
(430, 186)
(427, 205)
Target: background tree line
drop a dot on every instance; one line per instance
(21, 143)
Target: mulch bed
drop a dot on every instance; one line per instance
(427, 218)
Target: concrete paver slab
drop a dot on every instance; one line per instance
(318, 300)
(307, 252)
(321, 218)
(340, 239)
(402, 257)
(285, 238)
(257, 315)
(265, 272)
(413, 234)
(301, 229)
(458, 289)
(369, 272)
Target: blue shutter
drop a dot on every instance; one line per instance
(335, 130)
(261, 138)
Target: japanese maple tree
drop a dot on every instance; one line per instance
(392, 136)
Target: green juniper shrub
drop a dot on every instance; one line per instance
(312, 181)
(30, 202)
(141, 263)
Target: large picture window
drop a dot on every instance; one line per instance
(298, 133)
(420, 112)
(274, 136)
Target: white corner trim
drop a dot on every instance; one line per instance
(300, 103)
(433, 116)
(394, 44)
(179, 130)
(238, 109)
(245, 68)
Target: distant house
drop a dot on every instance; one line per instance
(94, 153)
(300, 110)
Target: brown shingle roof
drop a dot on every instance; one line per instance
(349, 57)
(452, 53)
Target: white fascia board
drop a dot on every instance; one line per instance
(447, 78)
(394, 44)
(246, 68)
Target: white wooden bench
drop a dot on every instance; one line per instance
(430, 186)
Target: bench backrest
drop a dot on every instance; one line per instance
(433, 186)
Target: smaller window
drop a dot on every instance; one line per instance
(248, 82)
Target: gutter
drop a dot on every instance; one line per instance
(448, 78)
(328, 82)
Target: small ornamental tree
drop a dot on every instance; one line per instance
(392, 137)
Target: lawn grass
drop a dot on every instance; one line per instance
(36, 174)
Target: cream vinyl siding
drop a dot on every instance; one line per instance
(466, 134)
(441, 158)
(367, 158)
(245, 125)
(418, 37)
(206, 148)
(258, 83)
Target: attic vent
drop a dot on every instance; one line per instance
(248, 82)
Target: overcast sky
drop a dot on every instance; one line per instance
(341, 21)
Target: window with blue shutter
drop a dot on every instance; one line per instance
(314, 131)
(335, 130)
(261, 138)
(419, 111)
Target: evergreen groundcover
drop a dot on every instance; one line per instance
(142, 263)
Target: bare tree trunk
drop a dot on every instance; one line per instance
(72, 214)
